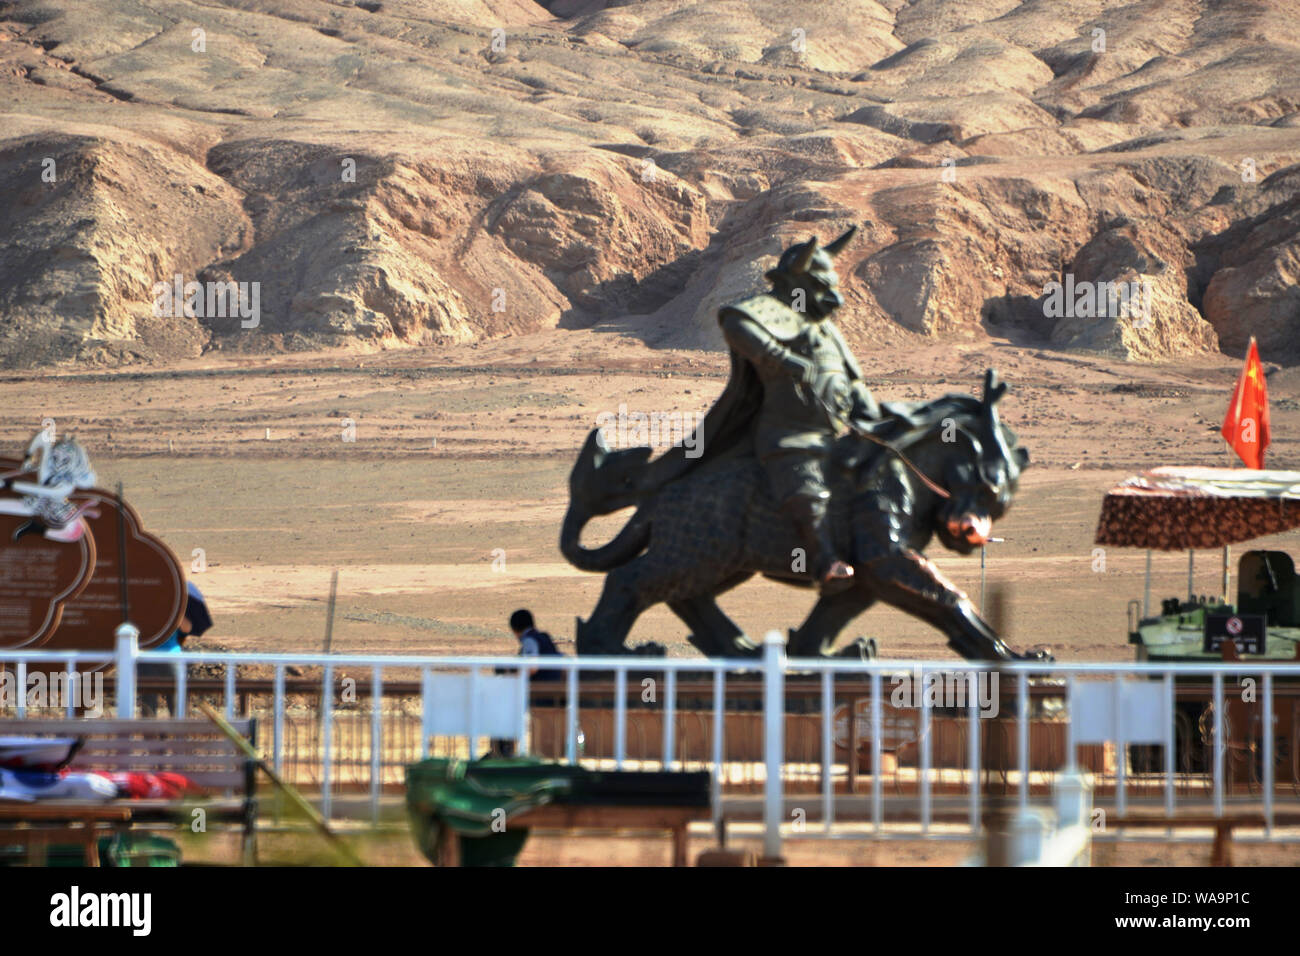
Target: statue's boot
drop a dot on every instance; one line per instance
(35, 526)
(809, 516)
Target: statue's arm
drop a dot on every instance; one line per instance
(762, 348)
(864, 403)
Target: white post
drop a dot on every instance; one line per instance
(571, 716)
(1022, 737)
(1227, 576)
(128, 646)
(719, 717)
(670, 718)
(1026, 837)
(277, 743)
(426, 710)
(521, 688)
(1146, 588)
(620, 717)
(1266, 733)
(828, 749)
(327, 743)
(1074, 809)
(471, 714)
(21, 702)
(1073, 799)
(376, 741)
(773, 742)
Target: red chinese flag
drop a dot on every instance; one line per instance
(1246, 426)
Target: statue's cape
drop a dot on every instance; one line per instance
(729, 423)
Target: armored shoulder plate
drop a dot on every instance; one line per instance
(778, 319)
(850, 361)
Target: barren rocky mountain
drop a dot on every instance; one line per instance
(374, 173)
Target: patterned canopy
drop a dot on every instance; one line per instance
(1173, 509)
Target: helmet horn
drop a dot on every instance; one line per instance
(805, 257)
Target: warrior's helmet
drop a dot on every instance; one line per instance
(807, 266)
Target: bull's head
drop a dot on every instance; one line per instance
(982, 476)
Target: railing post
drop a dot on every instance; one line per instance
(1026, 836)
(376, 741)
(327, 742)
(571, 716)
(128, 646)
(773, 743)
(1073, 798)
(620, 717)
(719, 726)
(1266, 736)
(828, 749)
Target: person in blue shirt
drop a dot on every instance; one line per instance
(532, 643)
(194, 622)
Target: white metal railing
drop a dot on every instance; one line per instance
(774, 669)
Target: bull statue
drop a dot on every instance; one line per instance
(803, 479)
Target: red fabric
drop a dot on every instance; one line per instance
(1246, 426)
(152, 786)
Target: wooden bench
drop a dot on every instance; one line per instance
(574, 816)
(42, 824)
(194, 748)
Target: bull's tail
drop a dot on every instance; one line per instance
(601, 483)
(627, 544)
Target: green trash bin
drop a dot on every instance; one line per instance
(130, 849)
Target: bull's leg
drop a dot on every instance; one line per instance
(816, 636)
(712, 632)
(621, 603)
(909, 581)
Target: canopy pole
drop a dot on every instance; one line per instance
(1146, 591)
(1227, 574)
(1191, 576)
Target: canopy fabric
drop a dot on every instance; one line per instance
(1174, 509)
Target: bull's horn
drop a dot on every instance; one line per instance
(994, 388)
(805, 257)
(834, 247)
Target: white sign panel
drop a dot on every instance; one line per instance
(496, 709)
(1142, 711)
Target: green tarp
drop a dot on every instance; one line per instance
(477, 800)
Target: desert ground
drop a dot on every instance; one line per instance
(453, 233)
(442, 516)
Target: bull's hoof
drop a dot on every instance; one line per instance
(861, 649)
(1038, 653)
(650, 649)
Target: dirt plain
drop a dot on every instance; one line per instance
(442, 516)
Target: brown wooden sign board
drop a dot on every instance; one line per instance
(155, 584)
(37, 577)
(87, 615)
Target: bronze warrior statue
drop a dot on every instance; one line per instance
(811, 384)
(798, 459)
